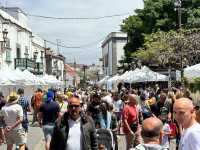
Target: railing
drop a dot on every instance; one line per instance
(25, 63)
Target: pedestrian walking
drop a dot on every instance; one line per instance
(74, 131)
(2, 103)
(36, 101)
(12, 114)
(23, 101)
(49, 111)
(131, 121)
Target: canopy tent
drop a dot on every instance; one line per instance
(103, 81)
(143, 75)
(192, 71)
(131, 76)
(114, 78)
(51, 80)
(8, 77)
(17, 77)
(149, 75)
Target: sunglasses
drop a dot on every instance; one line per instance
(72, 106)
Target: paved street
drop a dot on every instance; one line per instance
(34, 139)
(36, 142)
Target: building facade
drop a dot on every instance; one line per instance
(112, 52)
(17, 41)
(20, 48)
(54, 64)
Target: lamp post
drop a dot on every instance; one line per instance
(4, 34)
(178, 4)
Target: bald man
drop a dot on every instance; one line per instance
(74, 131)
(151, 134)
(185, 115)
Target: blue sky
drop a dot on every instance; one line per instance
(76, 32)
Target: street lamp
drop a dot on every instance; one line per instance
(3, 42)
(178, 4)
(5, 33)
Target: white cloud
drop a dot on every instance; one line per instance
(76, 32)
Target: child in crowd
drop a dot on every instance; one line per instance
(166, 128)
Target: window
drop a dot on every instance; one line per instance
(8, 56)
(18, 51)
(7, 43)
(26, 54)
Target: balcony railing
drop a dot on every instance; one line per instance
(25, 63)
(29, 64)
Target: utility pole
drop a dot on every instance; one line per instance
(75, 74)
(84, 74)
(45, 58)
(58, 41)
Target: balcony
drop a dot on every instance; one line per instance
(29, 64)
(25, 63)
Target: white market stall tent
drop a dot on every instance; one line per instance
(51, 80)
(192, 71)
(103, 81)
(143, 75)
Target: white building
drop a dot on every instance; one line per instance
(113, 51)
(38, 48)
(17, 44)
(55, 64)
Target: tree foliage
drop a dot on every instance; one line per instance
(157, 15)
(194, 86)
(168, 48)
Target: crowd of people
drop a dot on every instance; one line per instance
(93, 119)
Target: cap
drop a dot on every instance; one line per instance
(163, 111)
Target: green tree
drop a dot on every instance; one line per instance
(157, 15)
(172, 48)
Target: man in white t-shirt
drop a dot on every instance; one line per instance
(12, 114)
(185, 115)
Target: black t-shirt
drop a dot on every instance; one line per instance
(156, 108)
(50, 112)
(94, 109)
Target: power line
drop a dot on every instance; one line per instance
(78, 47)
(70, 18)
(79, 18)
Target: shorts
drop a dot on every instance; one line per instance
(48, 131)
(17, 137)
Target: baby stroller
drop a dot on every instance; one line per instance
(105, 138)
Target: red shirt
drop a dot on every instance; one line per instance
(130, 114)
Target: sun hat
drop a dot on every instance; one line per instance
(13, 97)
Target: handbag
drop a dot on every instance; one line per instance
(134, 126)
